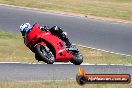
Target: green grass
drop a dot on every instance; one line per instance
(12, 48)
(60, 84)
(121, 9)
(99, 57)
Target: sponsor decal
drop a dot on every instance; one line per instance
(82, 78)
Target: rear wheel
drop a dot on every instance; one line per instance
(43, 53)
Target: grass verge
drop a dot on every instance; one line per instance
(60, 84)
(121, 9)
(12, 48)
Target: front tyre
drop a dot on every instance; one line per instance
(77, 59)
(44, 54)
(37, 57)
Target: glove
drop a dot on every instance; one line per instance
(46, 28)
(65, 33)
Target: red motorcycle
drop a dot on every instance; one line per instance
(49, 48)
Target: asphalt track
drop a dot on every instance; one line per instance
(43, 72)
(111, 36)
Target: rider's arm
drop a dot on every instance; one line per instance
(45, 28)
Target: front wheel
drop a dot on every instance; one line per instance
(44, 54)
(77, 59)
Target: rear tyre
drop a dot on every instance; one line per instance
(43, 53)
(77, 59)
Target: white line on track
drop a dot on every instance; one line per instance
(10, 62)
(104, 50)
(60, 63)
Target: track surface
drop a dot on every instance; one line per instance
(30, 72)
(112, 36)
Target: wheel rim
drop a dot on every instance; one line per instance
(46, 53)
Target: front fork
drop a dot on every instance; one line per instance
(41, 43)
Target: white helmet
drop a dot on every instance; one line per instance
(25, 27)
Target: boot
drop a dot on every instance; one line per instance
(68, 44)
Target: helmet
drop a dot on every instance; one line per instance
(25, 27)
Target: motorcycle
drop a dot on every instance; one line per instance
(49, 48)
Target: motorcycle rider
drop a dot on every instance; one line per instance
(55, 30)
